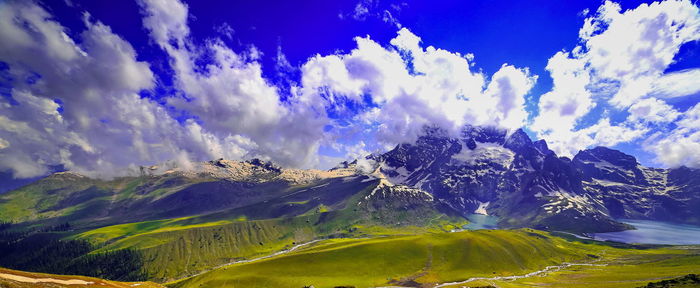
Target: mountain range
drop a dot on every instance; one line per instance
(484, 171)
(491, 171)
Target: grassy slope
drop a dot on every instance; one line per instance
(426, 258)
(62, 198)
(86, 202)
(183, 246)
(34, 201)
(95, 282)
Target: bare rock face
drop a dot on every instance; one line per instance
(630, 190)
(257, 171)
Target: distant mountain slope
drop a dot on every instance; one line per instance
(207, 187)
(333, 208)
(630, 190)
(507, 175)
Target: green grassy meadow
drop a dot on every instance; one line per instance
(179, 247)
(428, 259)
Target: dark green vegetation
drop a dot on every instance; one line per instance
(44, 251)
(690, 280)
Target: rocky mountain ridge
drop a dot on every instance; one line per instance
(491, 171)
(253, 170)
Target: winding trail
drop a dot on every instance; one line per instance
(542, 272)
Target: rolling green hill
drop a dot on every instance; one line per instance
(435, 258)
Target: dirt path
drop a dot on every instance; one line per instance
(542, 272)
(410, 281)
(24, 279)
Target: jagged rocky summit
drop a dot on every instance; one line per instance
(489, 171)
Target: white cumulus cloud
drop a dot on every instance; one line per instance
(680, 146)
(620, 65)
(230, 96)
(105, 127)
(410, 86)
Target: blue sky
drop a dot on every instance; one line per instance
(238, 79)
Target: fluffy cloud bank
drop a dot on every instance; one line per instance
(619, 67)
(78, 105)
(681, 145)
(230, 96)
(76, 102)
(402, 88)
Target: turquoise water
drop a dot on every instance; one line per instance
(654, 232)
(479, 221)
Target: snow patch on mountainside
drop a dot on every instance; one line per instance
(386, 189)
(605, 182)
(609, 167)
(392, 187)
(564, 200)
(482, 208)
